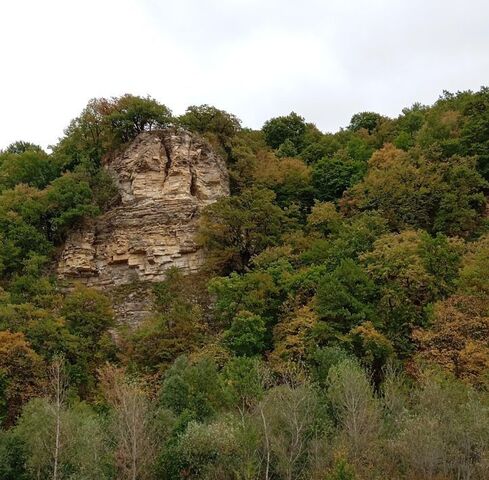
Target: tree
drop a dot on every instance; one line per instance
(475, 132)
(257, 291)
(54, 434)
(235, 229)
(332, 176)
(84, 452)
(324, 218)
(207, 450)
(31, 167)
(293, 338)
(69, 200)
(475, 265)
(290, 128)
(58, 384)
(326, 146)
(13, 457)
(132, 115)
(344, 298)
(104, 124)
(367, 120)
(289, 178)
(372, 348)
(208, 119)
(341, 471)
(457, 339)
(22, 228)
(88, 312)
(193, 391)
(177, 326)
(21, 146)
(411, 270)
(132, 424)
(22, 371)
(88, 317)
(409, 191)
(246, 336)
(243, 382)
(355, 409)
(291, 419)
(445, 433)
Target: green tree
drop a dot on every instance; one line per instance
(475, 265)
(326, 146)
(291, 128)
(21, 146)
(332, 176)
(291, 418)
(355, 408)
(88, 316)
(411, 270)
(345, 299)
(22, 228)
(289, 178)
(235, 229)
(13, 456)
(132, 115)
(207, 119)
(69, 200)
(207, 450)
(32, 167)
(242, 379)
(367, 120)
(193, 391)
(246, 335)
(84, 452)
(341, 471)
(104, 124)
(434, 195)
(88, 312)
(475, 132)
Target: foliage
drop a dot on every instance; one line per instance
(21, 370)
(246, 335)
(31, 167)
(235, 229)
(458, 336)
(367, 120)
(421, 193)
(105, 124)
(290, 129)
(205, 119)
(338, 329)
(332, 176)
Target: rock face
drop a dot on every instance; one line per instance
(164, 179)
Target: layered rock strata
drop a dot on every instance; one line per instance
(164, 179)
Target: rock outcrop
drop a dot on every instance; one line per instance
(164, 179)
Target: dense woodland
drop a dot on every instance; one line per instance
(339, 331)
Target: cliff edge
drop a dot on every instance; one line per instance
(164, 179)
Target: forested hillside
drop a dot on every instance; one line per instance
(339, 329)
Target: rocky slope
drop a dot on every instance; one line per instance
(164, 179)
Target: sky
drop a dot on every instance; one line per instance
(324, 59)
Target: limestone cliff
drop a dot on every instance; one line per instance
(164, 179)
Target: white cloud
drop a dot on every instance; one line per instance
(255, 58)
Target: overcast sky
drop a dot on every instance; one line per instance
(325, 59)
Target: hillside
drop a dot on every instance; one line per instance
(182, 297)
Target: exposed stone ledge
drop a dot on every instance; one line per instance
(164, 179)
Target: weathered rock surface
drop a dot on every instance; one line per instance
(164, 179)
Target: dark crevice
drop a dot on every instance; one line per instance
(193, 182)
(168, 156)
(193, 176)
